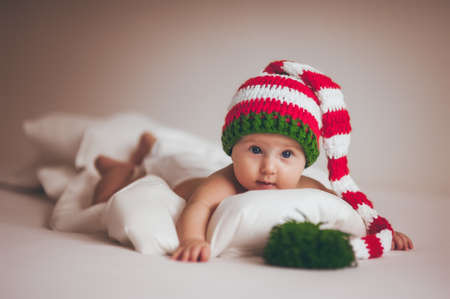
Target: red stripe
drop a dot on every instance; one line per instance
(373, 244)
(318, 81)
(275, 67)
(336, 122)
(378, 225)
(280, 81)
(273, 105)
(356, 198)
(337, 168)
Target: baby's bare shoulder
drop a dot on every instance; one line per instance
(307, 182)
(224, 180)
(216, 187)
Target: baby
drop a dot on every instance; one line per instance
(271, 132)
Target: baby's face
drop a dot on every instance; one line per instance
(268, 161)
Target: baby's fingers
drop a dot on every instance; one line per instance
(192, 253)
(410, 244)
(396, 243)
(407, 242)
(184, 257)
(181, 254)
(177, 253)
(205, 254)
(195, 253)
(200, 253)
(401, 241)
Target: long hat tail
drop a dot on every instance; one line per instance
(336, 131)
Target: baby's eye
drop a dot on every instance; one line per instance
(286, 154)
(255, 149)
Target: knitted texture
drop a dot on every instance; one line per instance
(305, 245)
(275, 104)
(298, 101)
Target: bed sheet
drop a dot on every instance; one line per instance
(37, 262)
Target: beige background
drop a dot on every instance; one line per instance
(181, 61)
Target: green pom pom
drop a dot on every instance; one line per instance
(305, 245)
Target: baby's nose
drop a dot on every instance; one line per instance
(268, 166)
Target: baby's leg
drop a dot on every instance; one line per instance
(117, 174)
(145, 144)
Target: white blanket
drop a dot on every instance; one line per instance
(146, 217)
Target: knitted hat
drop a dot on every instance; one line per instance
(275, 102)
(298, 101)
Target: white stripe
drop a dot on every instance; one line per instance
(346, 183)
(367, 214)
(336, 146)
(385, 237)
(359, 247)
(331, 99)
(297, 69)
(284, 94)
(239, 91)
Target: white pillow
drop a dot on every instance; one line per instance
(54, 138)
(145, 212)
(54, 179)
(116, 137)
(57, 135)
(241, 224)
(73, 211)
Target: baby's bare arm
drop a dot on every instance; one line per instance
(193, 221)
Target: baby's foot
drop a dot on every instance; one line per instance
(112, 180)
(146, 142)
(103, 164)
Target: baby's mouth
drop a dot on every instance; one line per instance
(265, 185)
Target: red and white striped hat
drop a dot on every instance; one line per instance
(298, 101)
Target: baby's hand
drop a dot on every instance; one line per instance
(193, 250)
(401, 241)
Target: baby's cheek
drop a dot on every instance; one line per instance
(243, 178)
(290, 180)
(285, 182)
